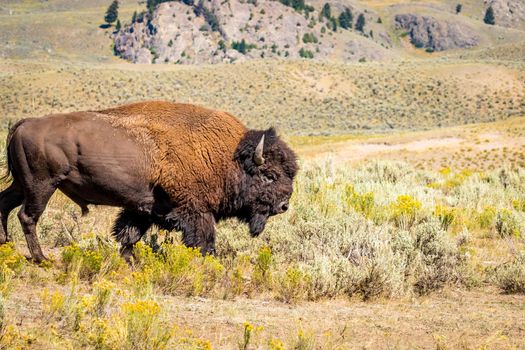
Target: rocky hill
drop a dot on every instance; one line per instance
(510, 13)
(436, 35)
(215, 31)
(232, 30)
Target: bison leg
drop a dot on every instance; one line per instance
(34, 203)
(10, 198)
(128, 230)
(199, 232)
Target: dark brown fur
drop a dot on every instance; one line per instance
(177, 166)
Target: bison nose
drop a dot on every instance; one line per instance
(283, 207)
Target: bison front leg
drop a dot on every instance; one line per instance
(199, 232)
(128, 230)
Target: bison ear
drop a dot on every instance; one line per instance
(258, 154)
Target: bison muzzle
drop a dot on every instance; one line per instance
(176, 166)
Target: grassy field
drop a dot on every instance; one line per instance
(385, 253)
(406, 228)
(298, 97)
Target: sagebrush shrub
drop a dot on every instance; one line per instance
(511, 275)
(92, 258)
(177, 270)
(507, 224)
(440, 259)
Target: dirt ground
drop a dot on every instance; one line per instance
(476, 147)
(452, 319)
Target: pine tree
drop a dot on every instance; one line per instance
(112, 13)
(343, 22)
(134, 17)
(325, 12)
(333, 24)
(346, 18)
(489, 16)
(360, 24)
(459, 7)
(150, 4)
(118, 25)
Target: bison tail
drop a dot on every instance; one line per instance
(6, 162)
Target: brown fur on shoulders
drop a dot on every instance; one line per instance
(191, 148)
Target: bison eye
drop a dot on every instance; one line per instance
(267, 179)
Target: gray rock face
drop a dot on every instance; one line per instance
(508, 13)
(430, 33)
(174, 33)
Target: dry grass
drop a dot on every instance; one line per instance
(418, 233)
(288, 95)
(478, 147)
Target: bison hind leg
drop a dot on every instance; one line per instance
(10, 198)
(128, 230)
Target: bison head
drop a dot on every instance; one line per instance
(269, 167)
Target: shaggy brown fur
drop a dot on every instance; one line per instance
(191, 147)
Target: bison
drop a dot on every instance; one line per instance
(176, 166)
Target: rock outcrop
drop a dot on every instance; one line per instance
(230, 30)
(428, 32)
(508, 13)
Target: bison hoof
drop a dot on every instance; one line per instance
(126, 252)
(39, 259)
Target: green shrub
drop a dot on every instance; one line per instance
(405, 211)
(446, 216)
(304, 53)
(486, 217)
(91, 260)
(309, 38)
(293, 285)
(439, 258)
(519, 204)
(10, 258)
(507, 224)
(362, 203)
(177, 270)
(511, 276)
(139, 327)
(262, 271)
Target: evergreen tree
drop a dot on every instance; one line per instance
(360, 24)
(240, 46)
(134, 17)
(346, 18)
(298, 5)
(325, 12)
(459, 7)
(489, 16)
(333, 24)
(112, 13)
(118, 25)
(212, 20)
(150, 4)
(343, 22)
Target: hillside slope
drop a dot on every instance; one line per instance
(298, 97)
(226, 31)
(212, 32)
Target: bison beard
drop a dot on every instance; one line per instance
(257, 224)
(176, 166)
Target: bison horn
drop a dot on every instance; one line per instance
(258, 156)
